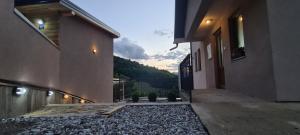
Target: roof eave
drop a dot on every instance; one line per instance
(188, 37)
(203, 9)
(83, 14)
(33, 2)
(180, 18)
(180, 40)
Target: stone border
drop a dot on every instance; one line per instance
(203, 124)
(153, 103)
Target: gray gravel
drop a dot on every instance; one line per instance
(146, 120)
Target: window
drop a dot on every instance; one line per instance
(209, 55)
(197, 60)
(237, 43)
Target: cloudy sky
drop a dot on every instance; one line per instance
(146, 28)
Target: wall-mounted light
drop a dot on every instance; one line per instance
(50, 93)
(66, 96)
(241, 18)
(94, 51)
(82, 101)
(208, 21)
(41, 24)
(73, 13)
(20, 91)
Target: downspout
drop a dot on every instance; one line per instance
(174, 47)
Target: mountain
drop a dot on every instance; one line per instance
(156, 78)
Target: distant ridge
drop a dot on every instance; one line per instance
(155, 77)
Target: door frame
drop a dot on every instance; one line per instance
(219, 63)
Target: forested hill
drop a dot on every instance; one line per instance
(134, 71)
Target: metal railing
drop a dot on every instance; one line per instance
(186, 76)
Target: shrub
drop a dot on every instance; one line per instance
(172, 97)
(135, 97)
(152, 97)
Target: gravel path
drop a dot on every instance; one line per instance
(146, 120)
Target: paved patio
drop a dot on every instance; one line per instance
(227, 113)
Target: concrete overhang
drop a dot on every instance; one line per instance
(188, 15)
(191, 19)
(88, 17)
(68, 5)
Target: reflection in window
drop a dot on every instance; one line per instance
(237, 42)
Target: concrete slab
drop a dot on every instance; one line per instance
(227, 113)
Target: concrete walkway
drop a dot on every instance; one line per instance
(228, 113)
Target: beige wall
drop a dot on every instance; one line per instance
(199, 77)
(284, 19)
(83, 73)
(25, 55)
(252, 75)
(16, 105)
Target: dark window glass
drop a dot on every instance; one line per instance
(199, 60)
(196, 61)
(237, 43)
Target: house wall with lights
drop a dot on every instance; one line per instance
(87, 55)
(247, 44)
(247, 69)
(52, 53)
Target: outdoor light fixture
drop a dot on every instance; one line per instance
(41, 24)
(50, 93)
(208, 21)
(66, 96)
(82, 101)
(73, 13)
(241, 18)
(94, 51)
(20, 91)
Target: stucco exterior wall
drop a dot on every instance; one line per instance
(284, 20)
(199, 77)
(83, 73)
(25, 55)
(252, 75)
(12, 105)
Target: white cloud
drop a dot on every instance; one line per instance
(164, 32)
(170, 55)
(128, 49)
(166, 61)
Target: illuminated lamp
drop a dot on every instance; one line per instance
(50, 93)
(82, 101)
(208, 21)
(66, 96)
(20, 91)
(94, 51)
(241, 18)
(41, 24)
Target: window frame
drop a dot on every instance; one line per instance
(237, 52)
(196, 61)
(199, 60)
